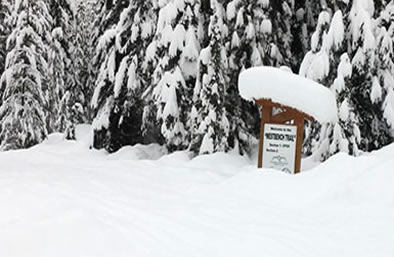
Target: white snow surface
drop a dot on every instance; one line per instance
(62, 199)
(289, 89)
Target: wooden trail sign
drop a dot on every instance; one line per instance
(288, 115)
(297, 98)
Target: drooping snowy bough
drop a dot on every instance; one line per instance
(288, 89)
(298, 99)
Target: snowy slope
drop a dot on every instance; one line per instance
(60, 199)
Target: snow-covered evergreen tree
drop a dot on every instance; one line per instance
(385, 53)
(328, 52)
(281, 16)
(96, 30)
(316, 63)
(344, 135)
(316, 66)
(61, 73)
(172, 128)
(5, 29)
(303, 26)
(374, 131)
(106, 64)
(248, 31)
(135, 31)
(83, 52)
(57, 68)
(175, 52)
(213, 125)
(73, 105)
(22, 116)
(360, 84)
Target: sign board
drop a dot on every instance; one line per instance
(279, 149)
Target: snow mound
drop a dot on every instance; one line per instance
(289, 89)
(139, 152)
(83, 132)
(54, 139)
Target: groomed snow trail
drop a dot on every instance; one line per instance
(61, 199)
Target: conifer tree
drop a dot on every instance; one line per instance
(281, 15)
(106, 63)
(386, 67)
(74, 102)
(213, 125)
(343, 135)
(22, 116)
(172, 128)
(360, 84)
(175, 49)
(135, 31)
(316, 66)
(5, 28)
(335, 70)
(303, 25)
(248, 32)
(84, 18)
(96, 30)
(60, 61)
(57, 67)
(374, 131)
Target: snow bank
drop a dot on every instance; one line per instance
(61, 199)
(139, 152)
(289, 89)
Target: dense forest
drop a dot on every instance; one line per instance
(166, 71)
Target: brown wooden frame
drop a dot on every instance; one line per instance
(288, 114)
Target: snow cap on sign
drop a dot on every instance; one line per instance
(290, 90)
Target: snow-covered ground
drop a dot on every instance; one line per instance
(61, 199)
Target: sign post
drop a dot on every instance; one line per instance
(281, 137)
(285, 99)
